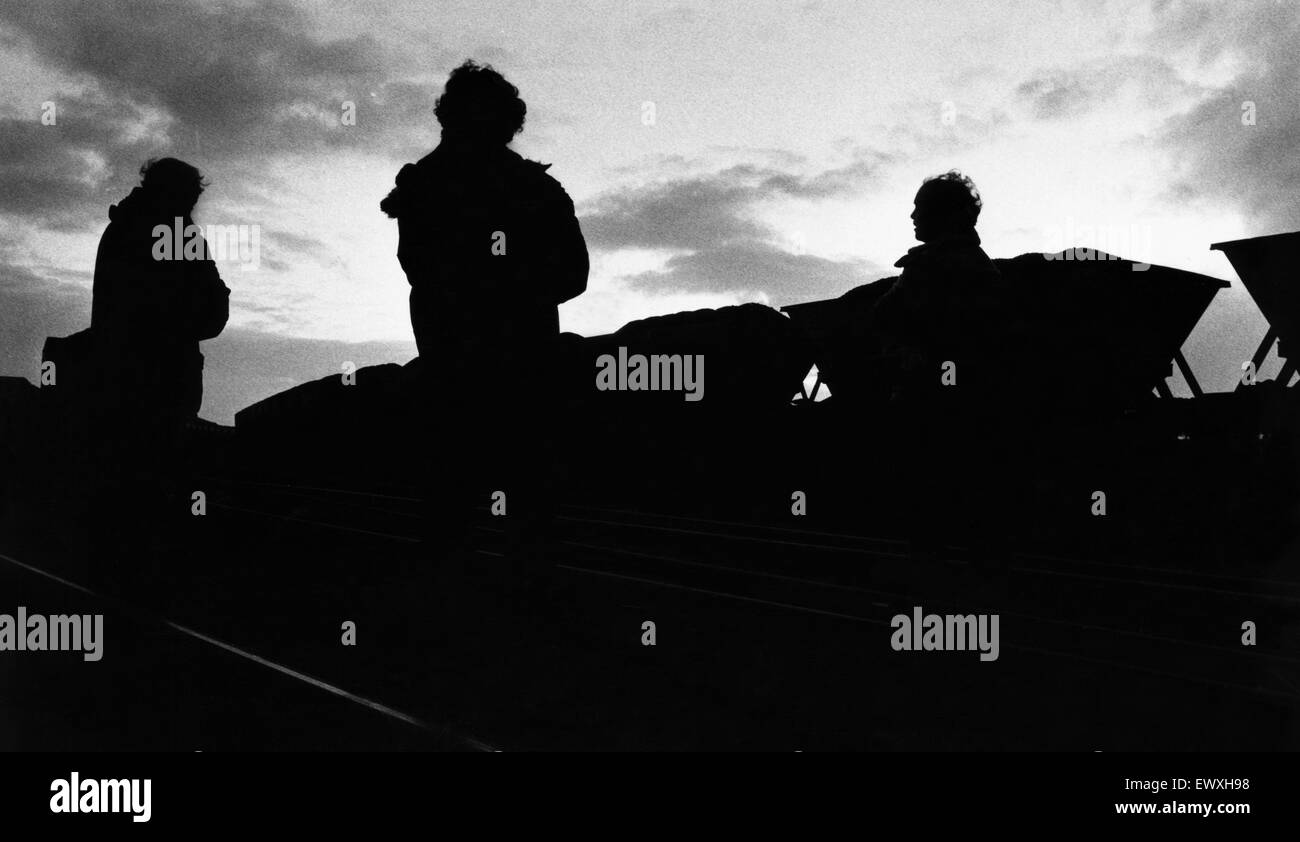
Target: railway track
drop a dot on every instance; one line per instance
(1184, 614)
(811, 606)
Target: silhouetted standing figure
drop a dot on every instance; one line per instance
(155, 298)
(153, 303)
(491, 245)
(944, 322)
(938, 309)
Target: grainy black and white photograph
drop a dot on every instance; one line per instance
(648, 376)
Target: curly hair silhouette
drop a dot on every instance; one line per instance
(946, 204)
(479, 104)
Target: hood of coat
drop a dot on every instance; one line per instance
(140, 207)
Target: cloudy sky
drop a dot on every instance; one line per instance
(718, 152)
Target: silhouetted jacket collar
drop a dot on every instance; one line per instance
(450, 161)
(966, 239)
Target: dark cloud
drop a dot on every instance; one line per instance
(1218, 158)
(710, 225)
(225, 85)
(687, 213)
(226, 70)
(54, 174)
(701, 211)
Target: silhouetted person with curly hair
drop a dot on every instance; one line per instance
(944, 322)
(934, 312)
(491, 245)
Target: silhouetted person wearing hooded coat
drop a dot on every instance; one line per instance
(152, 306)
(491, 245)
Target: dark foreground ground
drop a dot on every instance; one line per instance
(225, 634)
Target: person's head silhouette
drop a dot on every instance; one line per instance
(172, 184)
(479, 105)
(946, 205)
